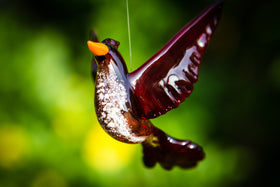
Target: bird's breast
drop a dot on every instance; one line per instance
(114, 110)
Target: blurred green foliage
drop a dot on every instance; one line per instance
(49, 135)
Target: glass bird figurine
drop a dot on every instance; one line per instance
(125, 102)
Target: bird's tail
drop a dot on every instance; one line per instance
(170, 152)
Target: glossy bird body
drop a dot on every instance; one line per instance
(115, 102)
(125, 101)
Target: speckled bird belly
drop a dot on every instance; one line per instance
(114, 109)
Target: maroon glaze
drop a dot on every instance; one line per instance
(159, 85)
(170, 152)
(167, 78)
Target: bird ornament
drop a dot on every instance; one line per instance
(125, 102)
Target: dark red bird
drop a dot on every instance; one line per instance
(125, 102)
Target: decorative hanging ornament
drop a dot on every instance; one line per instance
(124, 102)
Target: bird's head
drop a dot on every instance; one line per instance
(102, 48)
(105, 51)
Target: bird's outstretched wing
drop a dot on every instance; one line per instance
(167, 78)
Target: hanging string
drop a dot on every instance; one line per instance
(129, 35)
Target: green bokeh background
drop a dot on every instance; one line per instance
(49, 135)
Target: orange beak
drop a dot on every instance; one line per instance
(98, 49)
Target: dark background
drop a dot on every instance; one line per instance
(49, 135)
